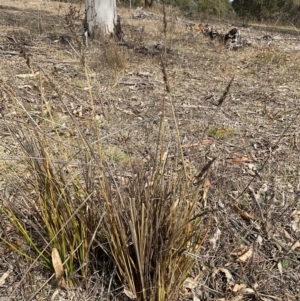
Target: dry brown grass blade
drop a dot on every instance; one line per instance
(225, 93)
(165, 75)
(200, 176)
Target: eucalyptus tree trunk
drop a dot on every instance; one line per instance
(148, 3)
(101, 17)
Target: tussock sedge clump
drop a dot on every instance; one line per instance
(149, 223)
(153, 227)
(62, 211)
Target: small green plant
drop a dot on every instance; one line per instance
(285, 263)
(272, 58)
(220, 133)
(115, 154)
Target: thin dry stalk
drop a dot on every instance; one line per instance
(161, 135)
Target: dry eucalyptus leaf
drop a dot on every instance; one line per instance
(245, 256)
(215, 238)
(295, 223)
(279, 265)
(247, 290)
(287, 235)
(27, 75)
(55, 294)
(238, 287)
(129, 293)
(259, 240)
(190, 283)
(241, 250)
(245, 215)
(3, 277)
(225, 271)
(239, 160)
(57, 265)
(295, 245)
(206, 186)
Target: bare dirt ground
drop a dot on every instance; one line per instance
(253, 248)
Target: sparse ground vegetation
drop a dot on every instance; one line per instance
(159, 168)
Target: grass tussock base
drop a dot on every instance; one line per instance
(148, 223)
(153, 227)
(62, 210)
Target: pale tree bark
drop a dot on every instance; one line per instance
(101, 17)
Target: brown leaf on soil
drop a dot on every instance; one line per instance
(245, 215)
(287, 235)
(295, 223)
(242, 250)
(129, 293)
(243, 253)
(247, 255)
(58, 267)
(200, 143)
(279, 265)
(295, 245)
(198, 27)
(3, 277)
(224, 271)
(215, 238)
(206, 186)
(239, 160)
(250, 172)
(190, 283)
(238, 287)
